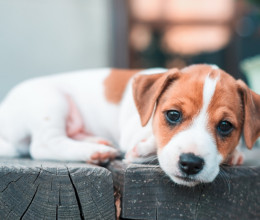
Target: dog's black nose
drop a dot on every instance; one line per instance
(190, 163)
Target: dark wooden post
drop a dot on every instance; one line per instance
(147, 193)
(48, 190)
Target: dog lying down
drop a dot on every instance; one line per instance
(192, 118)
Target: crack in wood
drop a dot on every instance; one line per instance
(37, 175)
(51, 183)
(117, 199)
(30, 202)
(45, 170)
(156, 213)
(77, 195)
(59, 197)
(57, 212)
(62, 193)
(13, 181)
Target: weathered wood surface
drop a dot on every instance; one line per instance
(49, 190)
(147, 193)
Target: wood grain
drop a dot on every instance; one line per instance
(49, 190)
(147, 193)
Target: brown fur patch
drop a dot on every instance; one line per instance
(251, 107)
(116, 82)
(147, 90)
(185, 95)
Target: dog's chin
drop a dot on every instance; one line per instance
(185, 181)
(193, 181)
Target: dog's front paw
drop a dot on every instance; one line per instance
(144, 148)
(102, 155)
(235, 158)
(132, 154)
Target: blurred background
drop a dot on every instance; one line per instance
(49, 36)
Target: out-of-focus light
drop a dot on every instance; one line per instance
(194, 39)
(182, 10)
(146, 10)
(140, 37)
(245, 27)
(199, 10)
(176, 63)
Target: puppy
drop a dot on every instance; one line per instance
(192, 118)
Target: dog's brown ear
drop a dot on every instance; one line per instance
(148, 88)
(251, 105)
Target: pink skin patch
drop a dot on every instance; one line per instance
(75, 128)
(74, 123)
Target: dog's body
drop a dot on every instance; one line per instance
(193, 118)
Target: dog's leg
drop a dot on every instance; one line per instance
(59, 147)
(14, 139)
(144, 148)
(136, 141)
(52, 142)
(235, 158)
(49, 138)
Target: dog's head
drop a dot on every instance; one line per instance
(199, 114)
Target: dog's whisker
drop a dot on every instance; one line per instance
(226, 179)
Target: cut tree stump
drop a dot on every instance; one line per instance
(147, 193)
(52, 190)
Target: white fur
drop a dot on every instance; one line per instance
(131, 130)
(37, 110)
(196, 139)
(35, 113)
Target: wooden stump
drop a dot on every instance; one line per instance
(49, 190)
(147, 193)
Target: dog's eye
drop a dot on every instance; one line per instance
(224, 128)
(173, 116)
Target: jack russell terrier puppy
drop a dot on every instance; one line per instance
(192, 118)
